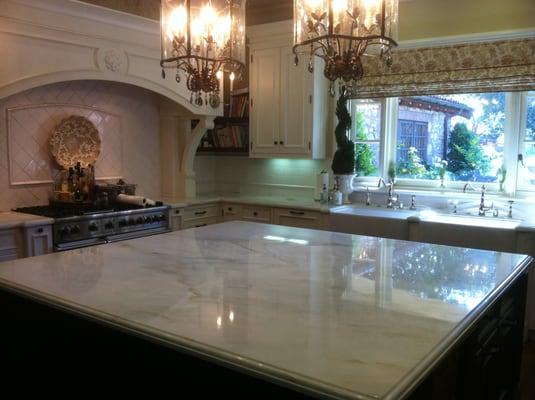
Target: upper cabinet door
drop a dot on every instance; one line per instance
(296, 105)
(289, 105)
(265, 100)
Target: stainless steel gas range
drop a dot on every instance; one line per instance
(81, 226)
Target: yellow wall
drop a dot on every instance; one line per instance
(420, 19)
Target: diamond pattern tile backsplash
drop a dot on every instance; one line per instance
(127, 119)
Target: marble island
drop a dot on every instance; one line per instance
(327, 314)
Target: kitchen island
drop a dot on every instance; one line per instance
(318, 313)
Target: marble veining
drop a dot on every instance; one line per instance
(348, 316)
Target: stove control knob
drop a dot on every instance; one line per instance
(93, 227)
(155, 218)
(65, 230)
(131, 222)
(122, 223)
(75, 229)
(162, 217)
(108, 225)
(139, 220)
(147, 220)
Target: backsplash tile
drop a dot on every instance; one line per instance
(278, 176)
(127, 118)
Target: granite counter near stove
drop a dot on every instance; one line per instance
(328, 314)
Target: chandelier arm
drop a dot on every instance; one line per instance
(390, 41)
(383, 18)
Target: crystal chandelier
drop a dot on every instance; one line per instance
(203, 39)
(343, 31)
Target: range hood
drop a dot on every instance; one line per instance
(49, 41)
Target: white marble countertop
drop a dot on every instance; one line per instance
(12, 219)
(421, 214)
(304, 203)
(343, 315)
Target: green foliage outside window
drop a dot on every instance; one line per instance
(465, 156)
(414, 166)
(363, 153)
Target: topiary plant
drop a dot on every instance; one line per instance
(344, 157)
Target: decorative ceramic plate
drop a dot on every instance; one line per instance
(74, 140)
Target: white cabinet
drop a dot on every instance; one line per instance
(38, 240)
(175, 218)
(231, 212)
(10, 244)
(297, 218)
(197, 216)
(264, 104)
(288, 104)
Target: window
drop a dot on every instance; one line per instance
(459, 136)
(449, 138)
(527, 147)
(366, 133)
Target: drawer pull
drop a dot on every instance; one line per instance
(255, 213)
(177, 211)
(40, 230)
(200, 212)
(297, 212)
(198, 226)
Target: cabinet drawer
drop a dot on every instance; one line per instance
(232, 212)
(297, 218)
(196, 223)
(9, 239)
(8, 255)
(259, 214)
(200, 212)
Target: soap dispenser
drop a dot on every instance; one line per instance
(337, 194)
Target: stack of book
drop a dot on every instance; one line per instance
(239, 106)
(231, 132)
(228, 137)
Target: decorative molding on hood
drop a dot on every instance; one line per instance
(51, 41)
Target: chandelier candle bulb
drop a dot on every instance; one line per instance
(201, 39)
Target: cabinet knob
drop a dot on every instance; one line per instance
(275, 143)
(281, 143)
(40, 230)
(255, 213)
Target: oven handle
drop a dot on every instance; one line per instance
(79, 243)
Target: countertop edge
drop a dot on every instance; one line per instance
(247, 201)
(410, 381)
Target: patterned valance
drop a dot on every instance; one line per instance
(507, 65)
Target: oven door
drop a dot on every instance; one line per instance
(136, 234)
(79, 243)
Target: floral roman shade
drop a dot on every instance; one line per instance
(507, 65)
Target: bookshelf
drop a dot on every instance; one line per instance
(231, 132)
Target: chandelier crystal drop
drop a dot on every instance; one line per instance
(341, 32)
(203, 39)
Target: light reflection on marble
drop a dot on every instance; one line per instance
(346, 314)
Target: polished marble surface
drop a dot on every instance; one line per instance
(347, 316)
(303, 203)
(421, 214)
(12, 219)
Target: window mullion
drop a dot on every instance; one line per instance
(388, 131)
(512, 139)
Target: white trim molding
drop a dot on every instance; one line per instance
(467, 39)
